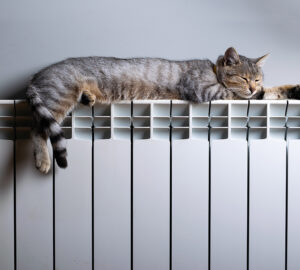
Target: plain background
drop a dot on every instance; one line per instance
(35, 33)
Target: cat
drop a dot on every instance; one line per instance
(55, 90)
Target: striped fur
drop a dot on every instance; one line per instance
(55, 90)
(46, 124)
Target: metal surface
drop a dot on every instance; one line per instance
(154, 185)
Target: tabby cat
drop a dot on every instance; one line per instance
(54, 91)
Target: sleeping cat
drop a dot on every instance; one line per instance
(54, 91)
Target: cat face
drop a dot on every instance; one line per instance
(240, 74)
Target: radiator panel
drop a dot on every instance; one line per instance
(112, 204)
(34, 212)
(228, 204)
(293, 205)
(151, 204)
(190, 168)
(73, 208)
(267, 204)
(7, 205)
(158, 196)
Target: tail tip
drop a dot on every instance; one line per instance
(62, 162)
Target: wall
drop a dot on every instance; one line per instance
(35, 33)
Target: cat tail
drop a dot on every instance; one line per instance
(46, 123)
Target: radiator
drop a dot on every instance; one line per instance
(155, 185)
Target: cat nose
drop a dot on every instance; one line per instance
(252, 88)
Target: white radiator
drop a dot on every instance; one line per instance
(155, 185)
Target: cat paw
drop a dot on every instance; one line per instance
(43, 165)
(294, 92)
(88, 99)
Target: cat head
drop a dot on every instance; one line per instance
(240, 74)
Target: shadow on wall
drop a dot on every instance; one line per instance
(16, 89)
(6, 177)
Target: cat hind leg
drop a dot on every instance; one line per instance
(88, 98)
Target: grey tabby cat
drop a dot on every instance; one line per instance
(54, 91)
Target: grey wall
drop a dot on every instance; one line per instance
(35, 33)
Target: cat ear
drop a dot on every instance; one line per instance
(231, 57)
(261, 60)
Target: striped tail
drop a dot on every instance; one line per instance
(45, 123)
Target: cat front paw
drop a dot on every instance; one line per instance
(294, 92)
